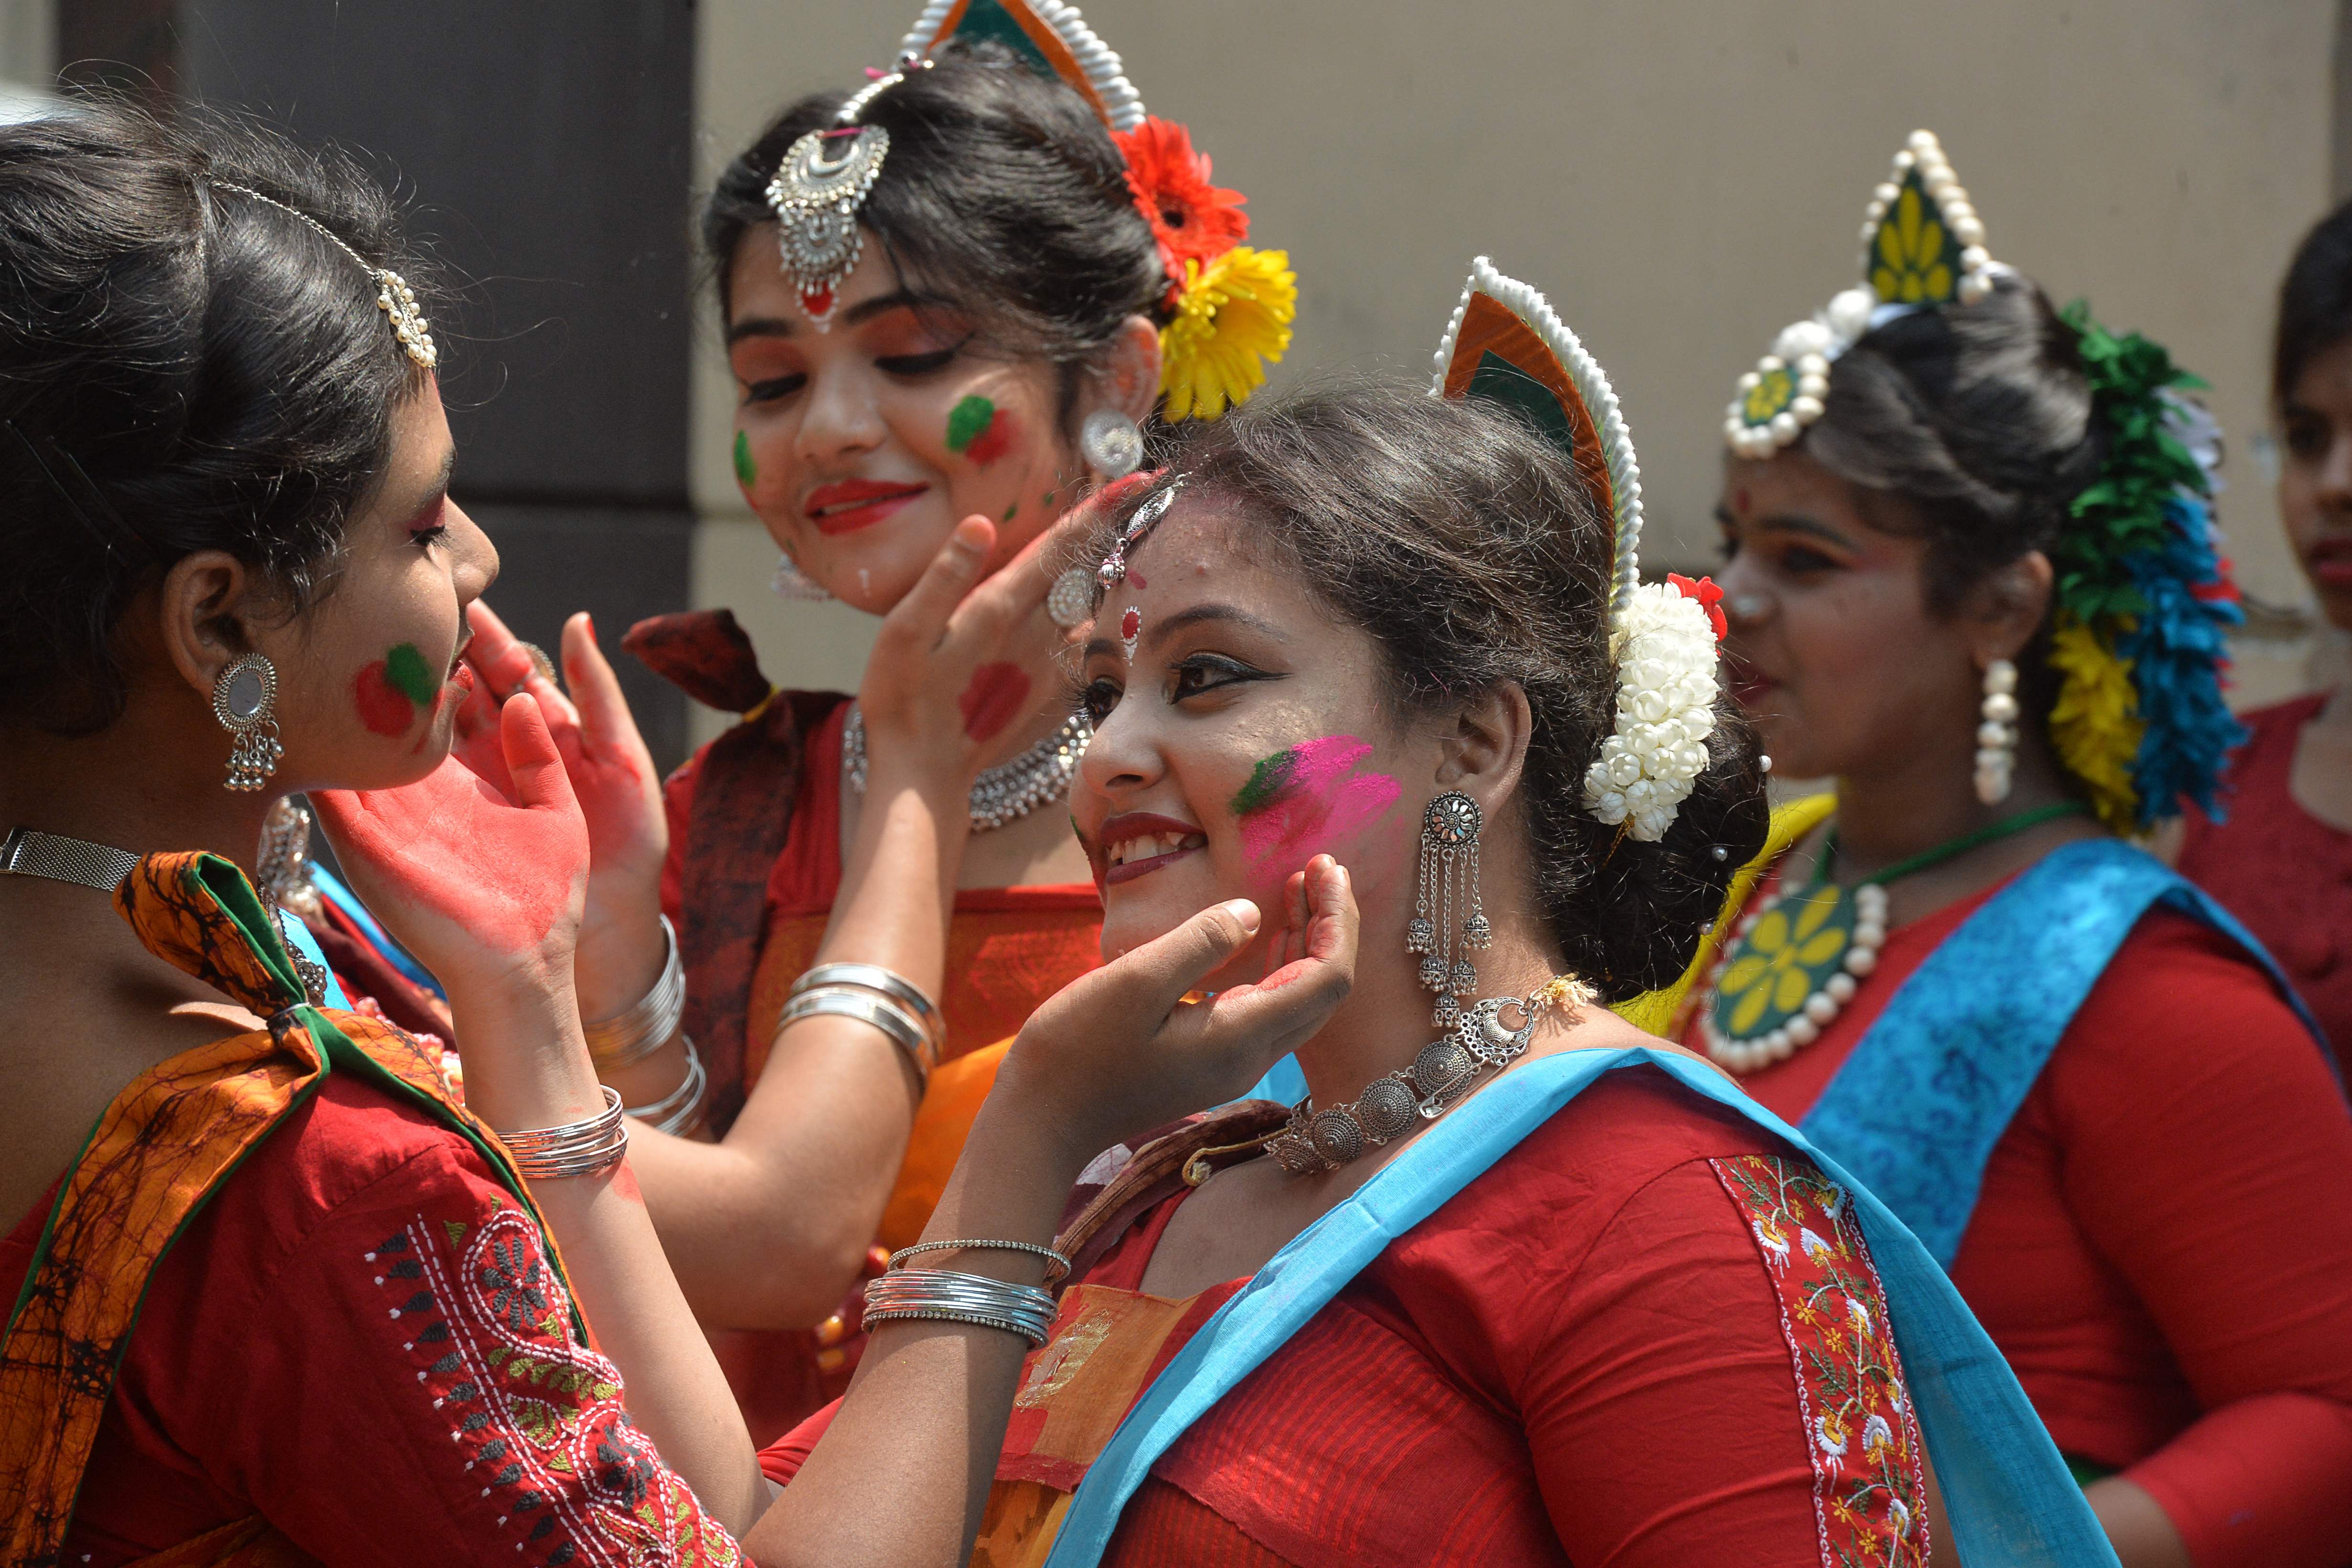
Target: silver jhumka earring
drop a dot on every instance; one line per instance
(1449, 885)
(245, 700)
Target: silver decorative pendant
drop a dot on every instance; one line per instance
(1418, 935)
(823, 179)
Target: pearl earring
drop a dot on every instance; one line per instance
(1997, 733)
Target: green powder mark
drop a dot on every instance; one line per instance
(747, 472)
(968, 421)
(1267, 780)
(406, 672)
(1011, 511)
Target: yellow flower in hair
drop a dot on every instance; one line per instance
(2095, 723)
(1231, 316)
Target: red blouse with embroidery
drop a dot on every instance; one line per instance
(361, 1339)
(2163, 1244)
(1646, 1337)
(2280, 869)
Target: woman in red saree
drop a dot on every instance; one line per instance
(277, 1298)
(1018, 249)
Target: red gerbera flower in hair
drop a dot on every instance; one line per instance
(1192, 219)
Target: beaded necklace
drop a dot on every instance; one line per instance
(1800, 957)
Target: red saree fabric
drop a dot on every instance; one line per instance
(2163, 1244)
(2284, 872)
(1614, 1346)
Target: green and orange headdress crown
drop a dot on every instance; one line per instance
(1231, 305)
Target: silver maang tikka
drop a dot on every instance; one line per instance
(820, 184)
(1448, 893)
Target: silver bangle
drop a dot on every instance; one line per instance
(841, 1001)
(679, 1111)
(629, 1038)
(905, 1294)
(885, 982)
(1057, 1268)
(587, 1147)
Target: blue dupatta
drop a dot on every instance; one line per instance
(2006, 1492)
(1931, 1087)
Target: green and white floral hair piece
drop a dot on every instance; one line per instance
(1922, 247)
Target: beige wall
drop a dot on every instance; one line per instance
(1682, 177)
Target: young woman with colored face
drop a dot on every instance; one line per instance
(1970, 579)
(1006, 290)
(1487, 1327)
(276, 1295)
(2281, 860)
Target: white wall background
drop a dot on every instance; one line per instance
(1682, 177)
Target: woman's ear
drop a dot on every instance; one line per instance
(2006, 608)
(1129, 377)
(1485, 748)
(200, 611)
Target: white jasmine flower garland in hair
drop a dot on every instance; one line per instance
(1663, 639)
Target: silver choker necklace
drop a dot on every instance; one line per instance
(1007, 791)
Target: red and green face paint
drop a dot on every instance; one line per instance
(1310, 798)
(747, 472)
(980, 430)
(389, 692)
(992, 699)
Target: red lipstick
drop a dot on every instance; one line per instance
(2331, 563)
(848, 505)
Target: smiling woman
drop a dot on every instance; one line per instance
(956, 299)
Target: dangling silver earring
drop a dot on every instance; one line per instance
(245, 700)
(1449, 884)
(792, 583)
(1997, 733)
(1111, 445)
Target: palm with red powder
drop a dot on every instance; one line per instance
(480, 882)
(611, 774)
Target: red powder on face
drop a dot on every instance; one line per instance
(993, 442)
(1311, 799)
(1739, 500)
(383, 706)
(1137, 578)
(992, 699)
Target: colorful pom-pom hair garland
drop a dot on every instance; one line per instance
(2144, 596)
(1231, 306)
(1507, 345)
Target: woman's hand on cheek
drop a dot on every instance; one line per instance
(483, 886)
(946, 677)
(1119, 1050)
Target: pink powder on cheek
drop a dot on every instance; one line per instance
(1321, 802)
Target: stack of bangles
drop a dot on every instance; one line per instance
(903, 1294)
(588, 1147)
(872, 995)
(625, 1040)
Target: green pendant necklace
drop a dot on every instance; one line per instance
(1802, 955)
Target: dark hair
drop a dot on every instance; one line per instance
(1002, 194)
(182, 368)
(2315, 301)
(1463, 543)
(1979, 416)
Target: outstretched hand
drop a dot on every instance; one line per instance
(946, 677)
(1121, 1049)
(611, 774)
(483, 881)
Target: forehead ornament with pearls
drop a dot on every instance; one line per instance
(1922, 247)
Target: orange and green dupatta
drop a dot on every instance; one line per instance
(157, 1154)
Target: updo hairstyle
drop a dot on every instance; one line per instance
(1003, 197)
(1464, 544)
(1978, 418)
(2315, 301)
(182, 368)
